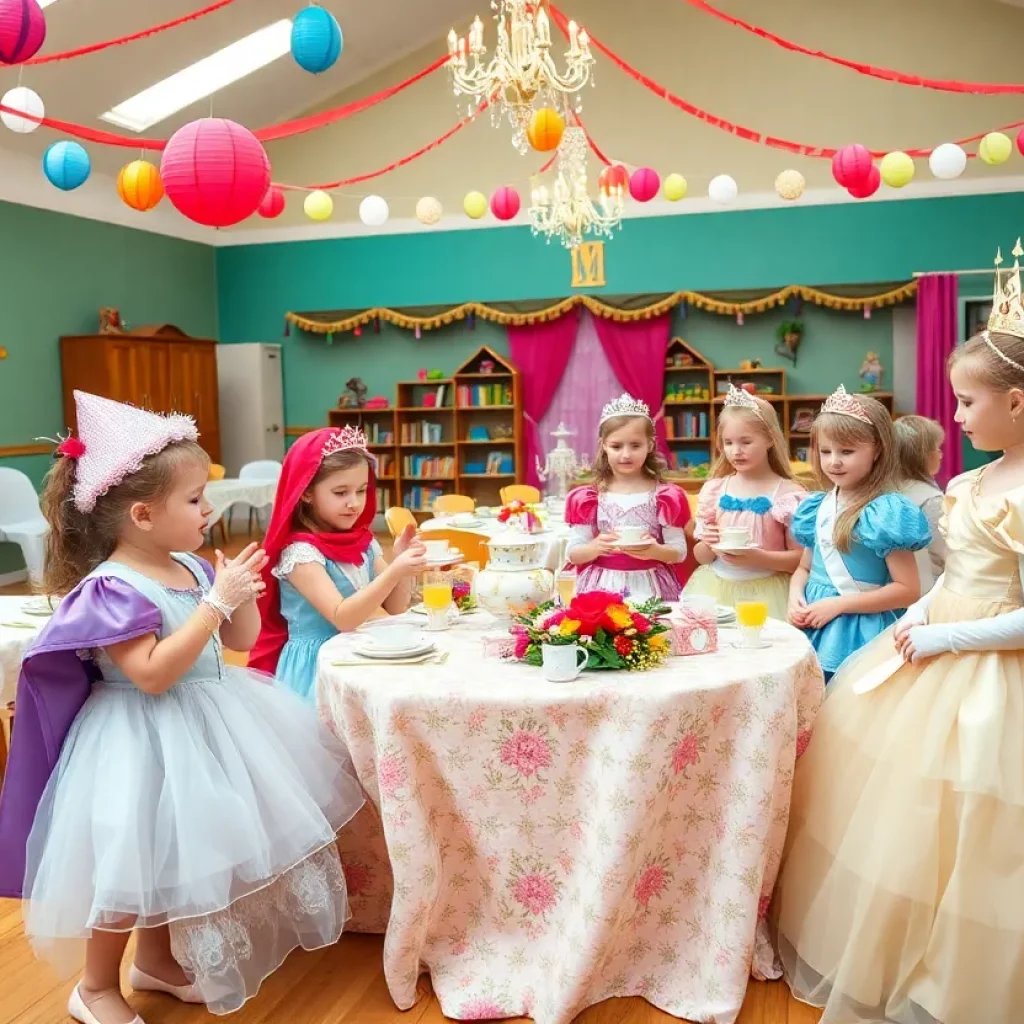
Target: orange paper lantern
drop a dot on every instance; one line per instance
(139, 185)
(545, 129)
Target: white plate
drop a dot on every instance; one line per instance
(759, 646)
(452, 558)
(458, 522)
(393, 654)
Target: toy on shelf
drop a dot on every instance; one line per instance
(803, 420)
(750, 364)
(376, 403)
(435, 374)
(790, 333)
(871, 373)
(110, 321)
(357, 389)
(487, 366)
(421, 374)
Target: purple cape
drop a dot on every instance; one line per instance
(53, 686)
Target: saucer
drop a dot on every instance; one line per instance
(373, 650)
(632, 545)
(760, 646)
(452, 558)
(728, 548)
(421, 609)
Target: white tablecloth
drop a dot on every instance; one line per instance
(222, 494)
(540, 847)
(14, 640)
(555, 536)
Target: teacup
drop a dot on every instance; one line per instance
(464, 519)
(437, 550)
(630, 534)
(397, 637)
(735, 537)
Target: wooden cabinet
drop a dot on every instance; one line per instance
(158, 368)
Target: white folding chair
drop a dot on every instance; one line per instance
(262, 469)
(21, 520)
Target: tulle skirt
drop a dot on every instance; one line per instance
(213, 808)
(901, 895)
(773, 590)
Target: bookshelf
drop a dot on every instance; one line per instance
(425, 413)
(381, 429)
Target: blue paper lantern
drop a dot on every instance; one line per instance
(66, 165)
(316, 39)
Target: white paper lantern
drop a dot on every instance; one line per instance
(722, 189)
(428, 210)
(22, 98)
(947, 161)
(373, 211)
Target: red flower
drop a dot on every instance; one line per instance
(591, 610)
(623, 644)
(640, 623)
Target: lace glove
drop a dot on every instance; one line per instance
(1000, 633)
(917, 613)
(233, 586)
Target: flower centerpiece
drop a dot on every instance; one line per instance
(462, 595)
(616, 633)
(517, 515)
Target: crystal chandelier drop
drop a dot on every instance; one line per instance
(521, 70)
(568, 211)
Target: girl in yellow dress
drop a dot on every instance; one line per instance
(901, 895)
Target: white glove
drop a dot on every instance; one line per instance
(236, 582)
(1000, 633)
(917, 613)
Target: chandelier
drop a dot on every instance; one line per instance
(568, 211)
(521, 70)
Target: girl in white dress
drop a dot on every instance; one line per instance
(919, 448)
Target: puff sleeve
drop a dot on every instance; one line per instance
(707, 504)
(892, 523)
(581, 506)
(804, 523)
(785, 505)
(673, 506)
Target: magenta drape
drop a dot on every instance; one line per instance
(636, 350)
(540, 352)
(938, 329)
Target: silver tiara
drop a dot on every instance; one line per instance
(625, 405)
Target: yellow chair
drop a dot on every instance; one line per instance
(398, 518)
(691, 500)
(452, 504)
(473, 546)
(217, 471)
(520, 492)
(804, 473)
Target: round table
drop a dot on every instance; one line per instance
(17, 631)
(222, 494)
(555, 536)
(540, 847)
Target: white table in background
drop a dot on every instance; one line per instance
(17, 631)
(222, 494)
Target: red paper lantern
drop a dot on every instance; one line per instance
(851, 165)
(869, 186)
(272, 204)
(215, 172)
(613, 180)
(644, 184)
(22, 30)
(505, 202)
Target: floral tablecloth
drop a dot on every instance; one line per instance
(540, 847)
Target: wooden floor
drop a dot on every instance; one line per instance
(343, 984)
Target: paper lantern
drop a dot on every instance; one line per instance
(428, 210)
(272, 204)
(995, 149)
(851, 165)
(139, 185)
(947, 161)
(790, 185)
(544, 132)
(66, 165)
(475, 205)
(614, 180)
(316, 39)
(897, 169)
(644, 184)
(722, 189)
(373, 211)
(215, 172)
(505, 202)
(25, 100)
(318, 205)
(869, 186)
(22, 30)
(674, 188)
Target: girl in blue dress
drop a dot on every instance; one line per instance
(326, 573)
(858, 573)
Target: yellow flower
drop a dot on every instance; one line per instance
(659, 642)
(568, 627)
(620, 616)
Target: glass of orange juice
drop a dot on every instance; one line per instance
(751, 617)
(437, 599)
(566, 584)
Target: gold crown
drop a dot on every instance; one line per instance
(842, 403)
(625, 405)
(346, 439)
(1007, 310)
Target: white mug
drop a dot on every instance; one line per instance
(437, 550)
(562, 661)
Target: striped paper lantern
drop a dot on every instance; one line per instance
(22, 30)
(66, 165)
(316, 40)
(139, 185)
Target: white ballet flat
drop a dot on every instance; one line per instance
(142, 982)
(80, 1012)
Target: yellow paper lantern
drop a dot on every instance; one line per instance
(545, 129)
(139, 185)
(897, 169)
(475, 205)
(674, 188)
(790, 185)
(318, 205)
(428, 210)
(995, 149)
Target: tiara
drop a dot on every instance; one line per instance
(737, 398)
(625, 405)
(345, 440)
(1007, 311)
(844, 404)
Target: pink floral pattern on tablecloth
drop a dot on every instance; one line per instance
(539, 848)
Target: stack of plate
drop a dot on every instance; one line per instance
(367, 646)
(726, 615)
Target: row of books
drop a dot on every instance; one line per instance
(422, 432)
(428, 467)
(687, 424)
(385, 465)
(483, 395)
(421, 499)
(497, 462)
(376, 434)
(383, 498)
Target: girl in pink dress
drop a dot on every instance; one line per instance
(752, 487)
(629, 491)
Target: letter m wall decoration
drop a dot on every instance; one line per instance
(588, 265)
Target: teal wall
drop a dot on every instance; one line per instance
(56, 272)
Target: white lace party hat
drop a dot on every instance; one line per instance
(113, 439)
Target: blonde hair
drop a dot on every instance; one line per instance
(79, 541)
(766, 422)
(884, 477)
(303, 517)
(917, 439)
(654, 465)
(987, 366)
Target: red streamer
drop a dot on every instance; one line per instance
(885, 74)
(81, 51)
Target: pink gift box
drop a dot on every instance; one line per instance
(694, 632)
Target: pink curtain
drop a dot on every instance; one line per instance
(938, 329)
(636, 350)
(540, 353)
(587, 384)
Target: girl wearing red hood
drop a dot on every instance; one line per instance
(326, 573)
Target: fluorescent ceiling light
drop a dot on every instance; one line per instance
(45, 3)
(203, 78)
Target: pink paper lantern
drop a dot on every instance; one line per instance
(505, 202)
(22, 30)
(215, 172)
(869, 186)
(272, 204)
(644, 184)
(851, 165)
(1020, 142)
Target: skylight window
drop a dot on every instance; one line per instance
(202, 79)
